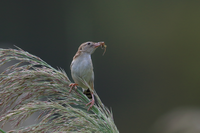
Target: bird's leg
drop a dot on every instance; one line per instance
(72, 85)
(91, 103)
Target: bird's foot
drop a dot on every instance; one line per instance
(72, 85)
(91, 103)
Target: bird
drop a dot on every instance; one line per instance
(82, 69)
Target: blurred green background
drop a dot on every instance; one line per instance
(151, 65)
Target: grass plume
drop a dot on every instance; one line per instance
(30, 85)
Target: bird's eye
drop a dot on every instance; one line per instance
(88, 43)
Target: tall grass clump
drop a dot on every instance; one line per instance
(30, 86)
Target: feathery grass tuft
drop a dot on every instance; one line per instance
(30, 86)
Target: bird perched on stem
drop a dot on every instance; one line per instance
(82, 69)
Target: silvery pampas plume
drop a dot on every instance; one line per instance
(30, 86)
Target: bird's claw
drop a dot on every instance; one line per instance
(72, 85)
(91, 103)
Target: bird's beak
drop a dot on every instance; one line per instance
(99, 44)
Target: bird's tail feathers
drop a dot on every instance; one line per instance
(87, 93)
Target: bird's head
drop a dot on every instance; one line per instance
(90, 47)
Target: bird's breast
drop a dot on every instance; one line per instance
(82, 68)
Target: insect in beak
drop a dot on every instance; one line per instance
(103, 46)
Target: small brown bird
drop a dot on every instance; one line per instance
(82, 69)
